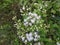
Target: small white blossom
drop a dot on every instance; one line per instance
(35, 3)
(39, 43)
(35, 14)
(25, 41)
(30, 24)
(58, 43)
(53, 15)
(41, 7)
(23, 8)
(23, 38)
(46, 5)
(35, 33)
(27, 34)
(35, 39)
(32, 21)
(29, 13)
(38, 17)
(25, 20)
(36, 36)
(27, 9)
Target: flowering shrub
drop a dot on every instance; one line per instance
(32, 21)
(38, 16)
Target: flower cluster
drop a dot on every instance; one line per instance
(30, 37)
(31, 19)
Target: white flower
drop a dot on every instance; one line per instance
(27, 34)
(15, 25)
(35, 39)
(53, 15)
(25, 20)
(32, 21)
(39, 43)
(29, 13)
(23, 8)
(36, 36)
(23, 38)
(41, 7)
(35, 14)
(30, 35)
(30, 24)
(35, 33)
(27, 9)
(58, 43)
(35, 3)
(38, 17)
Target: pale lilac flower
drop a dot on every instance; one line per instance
(31, 38)
(30, 34)
(25, 41)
